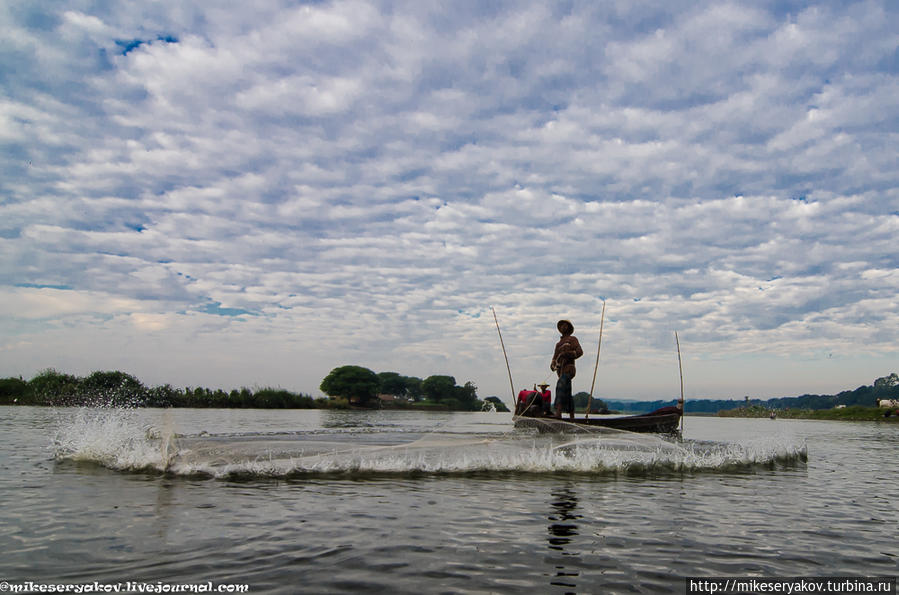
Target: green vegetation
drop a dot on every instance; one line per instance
(852, 413)
(886, 387)
(356, 384)
(859, 404)
(362, 387)
(597, 406)
(498, 404)
(348, 387)
(119, 389)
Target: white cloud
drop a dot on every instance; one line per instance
(55, 303)
(277, 191)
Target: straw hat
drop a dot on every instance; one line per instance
(563, 322)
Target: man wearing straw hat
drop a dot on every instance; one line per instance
(567, 350)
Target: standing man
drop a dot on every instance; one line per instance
(567, 350)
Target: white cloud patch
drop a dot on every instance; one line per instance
(257, 196)
(47, 303)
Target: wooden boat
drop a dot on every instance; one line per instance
(660, 421)
(534, 415)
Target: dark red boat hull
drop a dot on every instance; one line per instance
(661, 421)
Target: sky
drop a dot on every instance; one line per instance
(254, 194)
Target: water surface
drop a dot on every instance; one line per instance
(403, 502)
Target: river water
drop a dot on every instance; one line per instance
(405, 502)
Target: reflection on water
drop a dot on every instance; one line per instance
(563, 528)
(475, 507)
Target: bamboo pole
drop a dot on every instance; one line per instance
(508, 368)
(602, 319)
(680, 368)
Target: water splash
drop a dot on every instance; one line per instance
(113, 438)
(116, 439)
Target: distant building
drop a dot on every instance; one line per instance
(840, 407)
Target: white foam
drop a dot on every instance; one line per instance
(118, 440)
(114, 438)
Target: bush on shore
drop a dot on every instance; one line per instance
(851, 413)
(119, 389)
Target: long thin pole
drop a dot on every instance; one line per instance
(508, 368)
(680, 368)
(602, 320)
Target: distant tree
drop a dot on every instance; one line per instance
(113, 388)
(241, 398)
(354, 383)
(413, 387)
(163, 396)
(580, 400)
(439, 388)
(272, 398)
(597, 405)
(393, 383)
(887, 381)
(50, 387)
(468, 393)
(198, 397)
(498, 404)
(466, 398)
(275, 398)
(13, 390)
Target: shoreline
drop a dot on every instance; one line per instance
(851, 413)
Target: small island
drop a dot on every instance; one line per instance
(355, 386)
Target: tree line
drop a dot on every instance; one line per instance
(361, 387)
(357, 386)
(886, 387)
(347, 386)
(118, 389)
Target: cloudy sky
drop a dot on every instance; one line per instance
(254, 194)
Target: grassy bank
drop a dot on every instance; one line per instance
(852, 413)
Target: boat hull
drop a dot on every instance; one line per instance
(660, 421)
